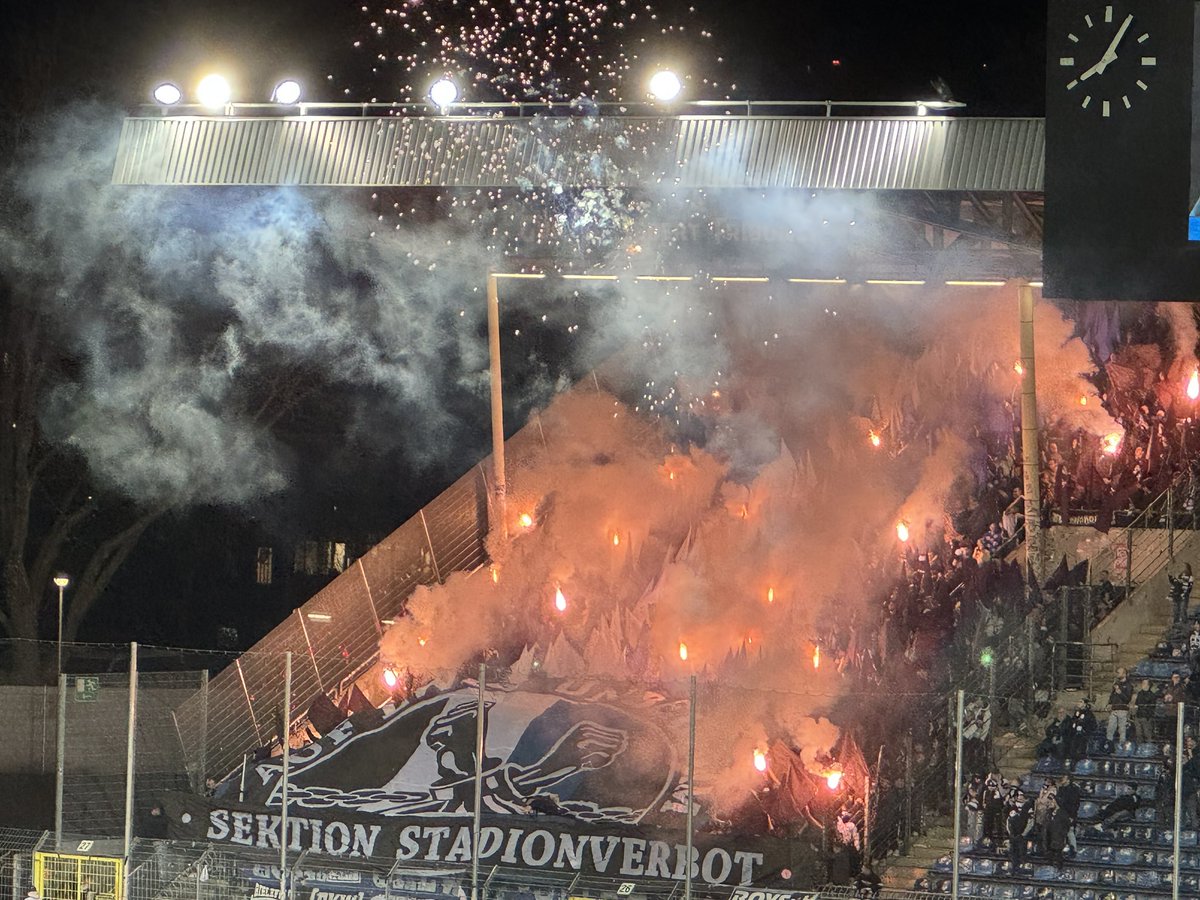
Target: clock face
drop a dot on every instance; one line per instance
(1107, 61)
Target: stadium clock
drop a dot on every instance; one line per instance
(1107, 61)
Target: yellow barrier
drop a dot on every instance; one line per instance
(71, 876)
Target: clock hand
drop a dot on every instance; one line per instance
(1111, 53)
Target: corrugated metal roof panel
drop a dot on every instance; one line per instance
(690, 151)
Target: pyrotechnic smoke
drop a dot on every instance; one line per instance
(706, 539)
(1184, 336)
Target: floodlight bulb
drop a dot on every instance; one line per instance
(61, 581)
(167, 94)
(443, 92)
(287, 92)
(922, 109)
(213, 91)
(665, 85)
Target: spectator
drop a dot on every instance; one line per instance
(1070, 795)
(992, 539)
(1178, 603)
(1080, 727)
(1120, 809)
(1054, 742)
(1193, 646)
(1043, 809)
(1188, 582)
(1174, 691)
(1104, 596)
(868, 883)
(1145, 706)
(1119, 699)
(1057, 832)
(1020, 823)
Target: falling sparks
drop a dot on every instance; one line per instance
(760, 760)
(1193, 385)
(1111, 443)
(902, 531)
(683, 651)
(560, 602)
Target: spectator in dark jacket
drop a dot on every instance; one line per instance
(1119, 699)
(1121, 808)
(1145, 703)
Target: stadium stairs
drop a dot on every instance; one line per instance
(1136, 627)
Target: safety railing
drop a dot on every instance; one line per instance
(1083, 666)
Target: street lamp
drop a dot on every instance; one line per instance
(665, 86)
(60, 581)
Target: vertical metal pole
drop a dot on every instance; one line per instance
(1178, 801)
(204, 730)
(60, 761)
(958, 778)
(866, 842)
(285, 742)
(61, 588)
(1170, 526)
(480, 712)
(1128, 563)
(687, 878)
(1030, 457)
(906, 843)
(501, 487)
(131, 748)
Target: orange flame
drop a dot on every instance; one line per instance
(526, 520)
(760, 760)
(770, 595)
(422, 641)
(874, 438)
(816, 656)
(616, 539)
(1111, 443)
(560, 602)
(833, 779)
(902, 531)
(1083, 400)
(1193, 388)
(683, 651)
(1018, 368)
(495, 575)
(389, 677)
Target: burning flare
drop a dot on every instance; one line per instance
(874, 438)
(560, 602)
(616, 539)
(1083, 400)
(770, 595)
(422, 641)
(816, 656)
(389, 677)
(902, 531)
(1111, 443)
(1018, 368)
(833, 779)
(1193, 387)
(526, 520)
(683, 651)
(760, 760)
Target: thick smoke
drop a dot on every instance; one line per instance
(747, 550)
(181, 304)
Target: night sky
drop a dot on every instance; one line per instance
(193, 569)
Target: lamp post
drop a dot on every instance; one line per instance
(60, 581)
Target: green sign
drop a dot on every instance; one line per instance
(86, 688)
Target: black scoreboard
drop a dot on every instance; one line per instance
(1122, 150)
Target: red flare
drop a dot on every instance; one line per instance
(560, 602)
(683, 651)
(902, 531)
(1193, 387)
(760, 760)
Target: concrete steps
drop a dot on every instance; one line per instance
(936, 842)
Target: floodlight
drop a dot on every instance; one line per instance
(665, 85)
(167, 94)
(213, 91)
(922, 109)
(287, 92)
(61, 581)
(442, 93)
